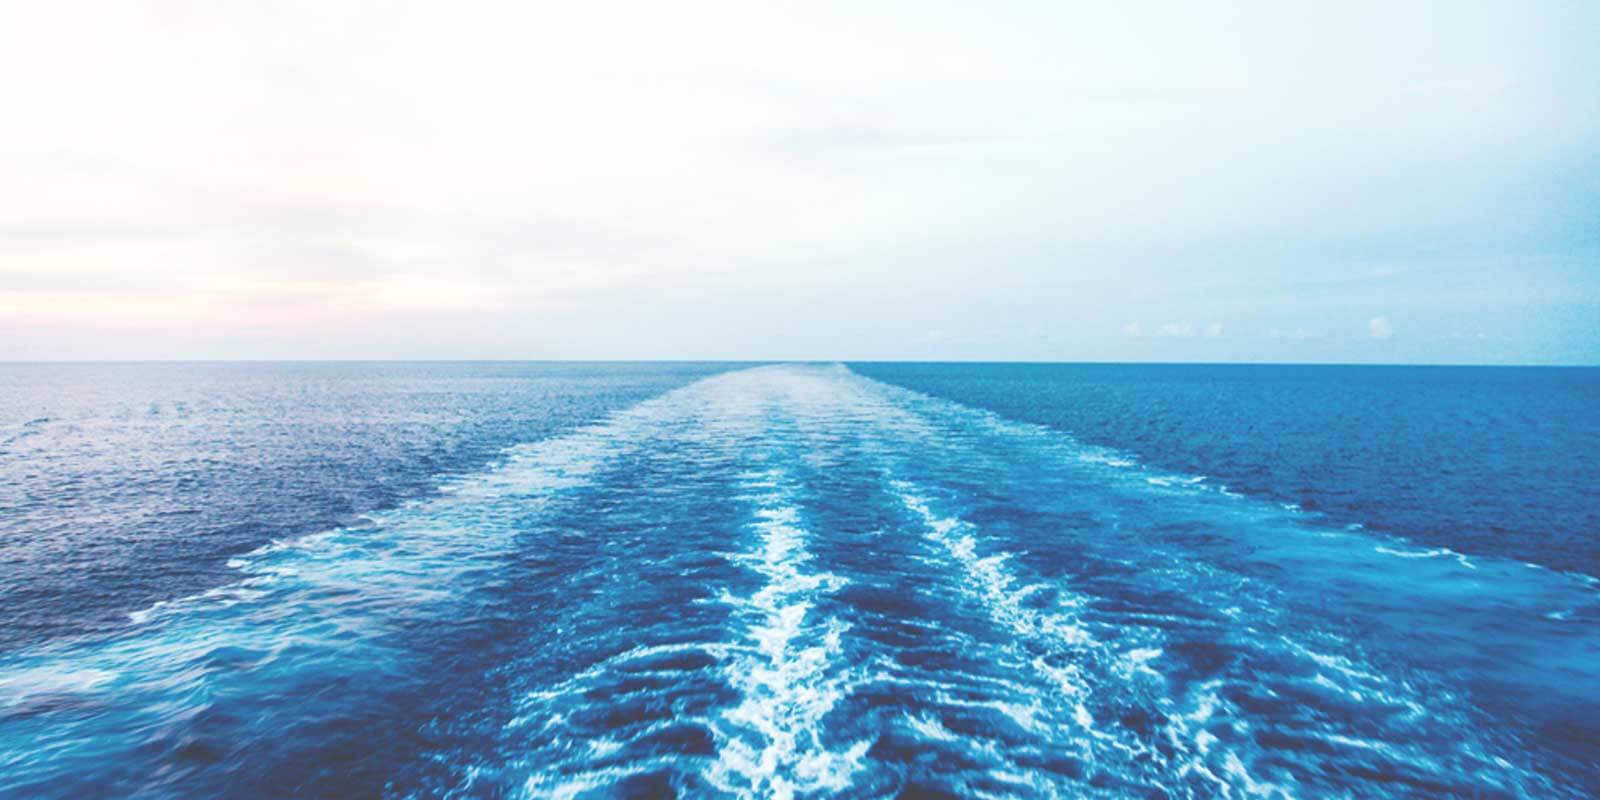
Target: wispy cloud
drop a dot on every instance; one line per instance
(1473, 87)
(1292, 333)
(644, 179)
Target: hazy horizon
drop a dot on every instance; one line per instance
(770, 361)
(1156, 183)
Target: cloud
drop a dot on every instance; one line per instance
(615, 181)
(1380, 328)
(1474, 88)
(1294, 333)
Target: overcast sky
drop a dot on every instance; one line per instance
(1276, 181)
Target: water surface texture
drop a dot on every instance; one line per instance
(801, 581)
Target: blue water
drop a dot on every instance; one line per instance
(797, 581)
(1496, 460)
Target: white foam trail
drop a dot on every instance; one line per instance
(990, 582)
(1062, 630)
(792, 679)
(1067, 642)
(1437, 552)
(784, 664)
(333, 592)
(439, 537)
(1175, 480)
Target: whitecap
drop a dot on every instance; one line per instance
(1438, 552)
(771, 743)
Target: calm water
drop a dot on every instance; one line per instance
(798, 580)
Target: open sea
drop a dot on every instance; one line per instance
(351, 580)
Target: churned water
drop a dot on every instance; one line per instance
(798, 581)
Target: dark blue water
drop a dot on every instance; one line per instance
(125, 484)
(1492, 460)
(798, 580)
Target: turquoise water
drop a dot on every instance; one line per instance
(797, 580)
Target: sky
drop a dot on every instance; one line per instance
(1278, 181)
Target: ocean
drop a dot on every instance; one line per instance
(798, 580)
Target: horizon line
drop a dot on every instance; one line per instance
(767, 361)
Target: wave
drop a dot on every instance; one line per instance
(1437, 552)
(795, 581)
(1072, 664)
(341, 596)
(792, 676)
